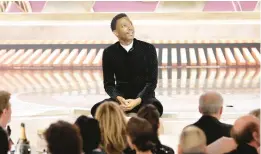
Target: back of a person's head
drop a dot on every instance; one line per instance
(192, 141)
(255, 113)
(140, 134)
(4, 144)
(4, 101)
(150, 113)
(210, 103)
(90, 132)
(246, 130)
(113, 127)
(63, 138)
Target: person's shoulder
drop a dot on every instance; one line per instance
(2, 131)
(196, 124)
(163, 149)
(225, 125)
(111, 47)
(128, 150)
(167, 149)
(228, 127)
(98, 151)
(144, 43)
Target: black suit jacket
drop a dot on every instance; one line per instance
(130, 74)
(244, 149)
(213, 128)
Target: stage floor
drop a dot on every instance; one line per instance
(41, 91)
(40, 97)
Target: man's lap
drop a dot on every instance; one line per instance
(152, 100)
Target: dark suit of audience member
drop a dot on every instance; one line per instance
(211, 107)
(213, 128)
(4, 145)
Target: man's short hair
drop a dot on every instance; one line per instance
(150, 113)
(63, 137)
(245, 135)
(210, 103)
(90, 132)
(192, 140)
(4, 100)
(141, 133)
(115, 19)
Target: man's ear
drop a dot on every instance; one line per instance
(115, 33)
(200, 110)
(221, 111)
(255, 136)
(4, 111)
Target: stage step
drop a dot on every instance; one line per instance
(64, 56)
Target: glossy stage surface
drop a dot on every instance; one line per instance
(178, 89)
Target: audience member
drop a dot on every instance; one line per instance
(255, 113)
(110, 133)
(5, 109)
(211, 107)
(91, 134)
(113, 127)
(4, 145)
(140, 136)
(63, 138)
(5, 114)
(151, 114)
(246, 133)
(192, 141)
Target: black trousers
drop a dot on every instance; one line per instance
(152, 101)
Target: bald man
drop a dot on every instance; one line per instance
(211, 108)
(255, 113)
(192, 141)
(246, 133)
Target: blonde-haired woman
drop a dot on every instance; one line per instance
(113, 127)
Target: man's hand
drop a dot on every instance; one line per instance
(123, 102)
(132, 103)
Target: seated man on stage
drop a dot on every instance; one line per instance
(134, 66)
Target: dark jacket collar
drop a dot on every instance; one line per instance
(246, 148)
(134, 43)
(209, 118)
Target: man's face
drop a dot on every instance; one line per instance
(7, 114)
(124, 29)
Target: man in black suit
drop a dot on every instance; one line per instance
(211, 107)
(246, 133)
(130, 69)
